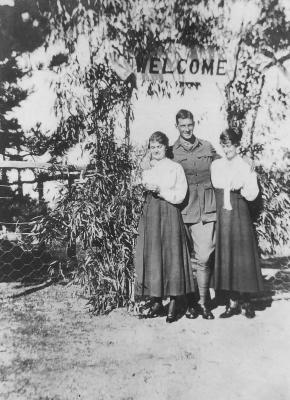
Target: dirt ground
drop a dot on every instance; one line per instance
(51, 348)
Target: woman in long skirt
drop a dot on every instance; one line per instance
(237, 268)
(162, 259)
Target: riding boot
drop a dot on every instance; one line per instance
(203, 277)
(193, 309)
(172, 313)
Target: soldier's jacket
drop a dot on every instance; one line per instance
(199, 204)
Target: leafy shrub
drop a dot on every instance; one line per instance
(101, 217)
(273, 224)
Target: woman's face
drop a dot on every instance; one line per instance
(158, 150)
(230, 150)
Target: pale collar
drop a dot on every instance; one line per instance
(158, 162)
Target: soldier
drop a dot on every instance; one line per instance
(199, 207)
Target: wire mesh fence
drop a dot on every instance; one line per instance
(24, 255)
(25, 259)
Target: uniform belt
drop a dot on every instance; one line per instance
(199, 179)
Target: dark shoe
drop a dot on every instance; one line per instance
(206, 313)
(230, 311)
(172, 315)
(192, 312)
(157, 310)
(249, 310)
(171, 318)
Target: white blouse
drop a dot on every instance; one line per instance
(235, 174)
(169, 176)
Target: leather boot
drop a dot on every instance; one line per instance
(193, 309)
(231, 311)
(192, 312)
(249, 310)
(206, 312)
(172, 315)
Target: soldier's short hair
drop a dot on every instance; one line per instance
(183, 114)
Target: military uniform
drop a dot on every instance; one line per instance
(199, 207)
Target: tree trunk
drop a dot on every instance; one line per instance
(19, 184)
(127, 121)
(40, 190)
(256, 109)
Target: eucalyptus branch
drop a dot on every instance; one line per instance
(276, 61)
(256, 108)
(230, 83)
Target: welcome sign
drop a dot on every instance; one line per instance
(181, 65)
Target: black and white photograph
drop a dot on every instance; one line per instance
(144, 199)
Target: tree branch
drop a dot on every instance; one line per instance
(229, 84)
(257, 106)
(276, 61)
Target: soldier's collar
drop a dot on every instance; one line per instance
(187, 145)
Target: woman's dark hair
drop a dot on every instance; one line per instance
(230, 136)
(183, 114)
(159, 137)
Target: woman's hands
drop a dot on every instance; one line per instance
(250, 162)
(145, 163)
(237, 183)
(236, 186)
(152, 188)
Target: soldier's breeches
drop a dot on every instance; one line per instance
(202, 251)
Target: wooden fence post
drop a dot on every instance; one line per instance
(40, 189)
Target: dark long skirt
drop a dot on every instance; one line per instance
(237, 266)
(162, 260)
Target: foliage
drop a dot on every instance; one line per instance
(272, 31)
(271, 210)
(259, 49)
(262, 46)
(22, 209)
(99, 215)
(12, 139)
(131, 30)
(102, 220)
(272, 225)
(22, 29)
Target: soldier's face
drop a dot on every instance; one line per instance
(185, 127)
